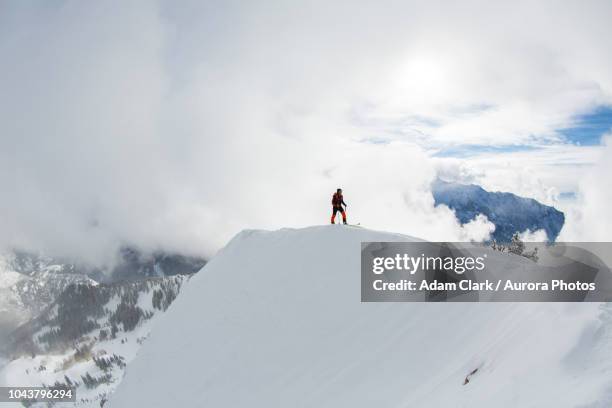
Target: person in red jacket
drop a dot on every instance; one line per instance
(337, 203)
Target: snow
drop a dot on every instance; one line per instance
(12, 309)
(275, 320)
(9, 278)
(25, 370)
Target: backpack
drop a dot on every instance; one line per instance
(336, 200)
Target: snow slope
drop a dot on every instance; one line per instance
(275, 320)
(87, 336)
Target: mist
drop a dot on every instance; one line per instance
(174, 126)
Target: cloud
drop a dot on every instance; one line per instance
(175, 126)
(543, 173)
(590, 219)
(478, 230)
(533, 236)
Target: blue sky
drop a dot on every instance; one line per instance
(589, 128)
(586, 130)
(464, 151)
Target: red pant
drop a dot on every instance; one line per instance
(341, 210)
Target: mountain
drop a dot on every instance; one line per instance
(66, 315)
(128, 264)
(275, 320)
(31, 282)
(135, 265)
(87, 336)
(510, 213)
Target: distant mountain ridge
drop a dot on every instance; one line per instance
(66, 323)
(28, 287)
(510, 213)
(29, 282)
(87, 336)
(135, 265)
(130, 264)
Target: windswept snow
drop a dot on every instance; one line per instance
(275, 320)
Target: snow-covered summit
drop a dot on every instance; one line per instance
(275, 320)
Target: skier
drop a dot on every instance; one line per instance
(337, 203)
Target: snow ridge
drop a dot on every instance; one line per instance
(275, 320)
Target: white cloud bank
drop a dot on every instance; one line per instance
(590, 219)
(175, 125)
(533, 236)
